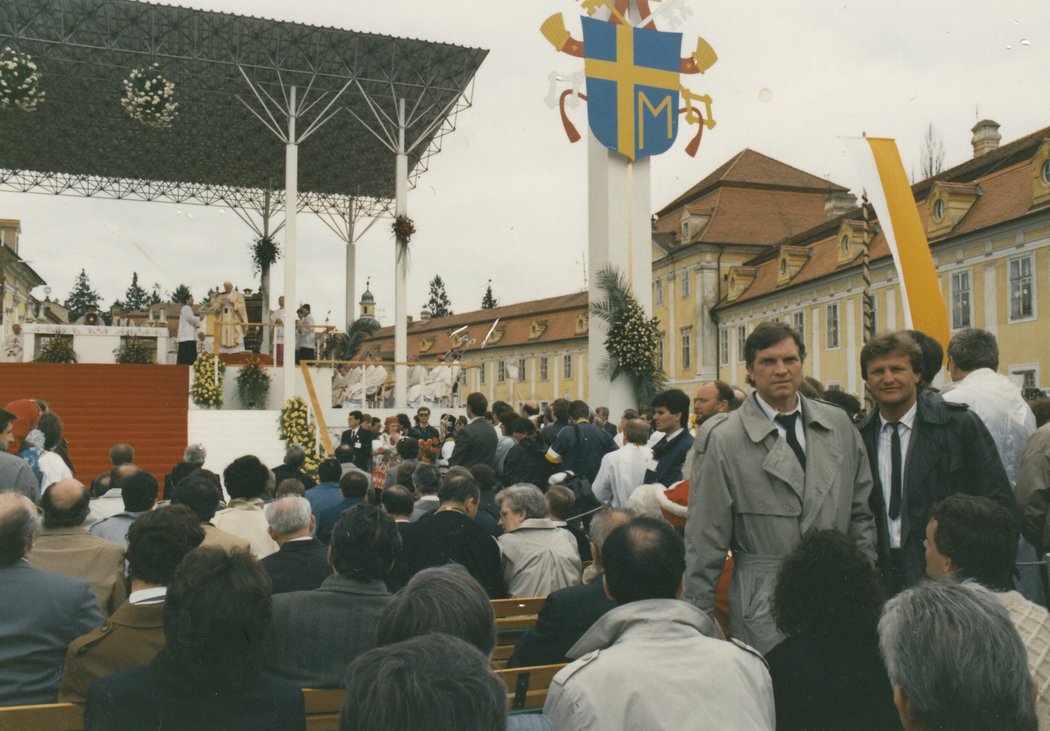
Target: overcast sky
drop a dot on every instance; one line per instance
(505, 199)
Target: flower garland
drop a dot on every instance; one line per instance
(296, 427)
(403, 228)
(253, 384)
(149, 97)
(19, 81)
(206, 391)
(264, 252)
(633, 340)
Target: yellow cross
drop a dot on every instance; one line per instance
(627, 75)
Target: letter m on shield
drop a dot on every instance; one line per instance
(632, 86)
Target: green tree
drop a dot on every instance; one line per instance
(438, 304)
(488, 301)
(80, 297)
(135, 297)
(154, 297)
(181, 294)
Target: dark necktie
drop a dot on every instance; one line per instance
(788, 422)
(896, 488)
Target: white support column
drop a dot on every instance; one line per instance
(852, 355)
(291, 230)
(991, 302)
(351, 290)
(814, 345)
(401, 269)
(618, 233)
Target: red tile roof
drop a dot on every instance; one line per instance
(753, 169)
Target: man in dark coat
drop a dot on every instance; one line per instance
(451, 535)
(360, 439)
(921, 450)
(671, 416)
(302, 562)
(476, 442)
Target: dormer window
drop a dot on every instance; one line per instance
(783, 266)
(685, 230)
(1046, 171)
(947, 205)
(844, 243)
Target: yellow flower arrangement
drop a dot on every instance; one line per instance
(296, 427)
(207, 390)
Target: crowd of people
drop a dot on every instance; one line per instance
(769, 557)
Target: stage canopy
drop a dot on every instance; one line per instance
(232, 76)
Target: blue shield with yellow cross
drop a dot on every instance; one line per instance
(632, 86)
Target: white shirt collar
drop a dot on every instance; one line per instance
(773, 413)
(907, 420)
(154, 595)
(674, 434)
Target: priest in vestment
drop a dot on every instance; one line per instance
(228, 309)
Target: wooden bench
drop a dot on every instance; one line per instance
(49, 717)
(322, 713)
(514, 617)
(527, 687)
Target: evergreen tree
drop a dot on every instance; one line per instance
(488, 301)
(80, 297)
(154, 297)
(438, 304)
(135, 298)
(181, 294)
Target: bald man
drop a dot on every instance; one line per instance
(64, 546)
(713, 397)
(40, 614)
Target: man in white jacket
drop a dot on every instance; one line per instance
(973, 358)
(655, 661)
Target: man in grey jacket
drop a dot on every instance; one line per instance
(774, 468)
(655, 661)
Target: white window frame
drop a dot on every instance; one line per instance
(686, 339)
(660, 351)
(658, 292)
(1016, 370)
(522, 364)
(832, 343)
(955, 291)
(741, 342)
(566, 367)
(723, 346)
(481, 374)
(1010, 283)
(501, 371)
(798, 321)
(545, 374)
(685, 284)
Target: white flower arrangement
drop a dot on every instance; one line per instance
(19, 81)
(149, 98)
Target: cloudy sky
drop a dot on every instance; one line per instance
(506, 197)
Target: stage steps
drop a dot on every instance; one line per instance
(103, 404)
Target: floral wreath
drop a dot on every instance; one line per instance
(149, 97)
(19, 81)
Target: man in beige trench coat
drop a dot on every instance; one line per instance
(776, 467)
